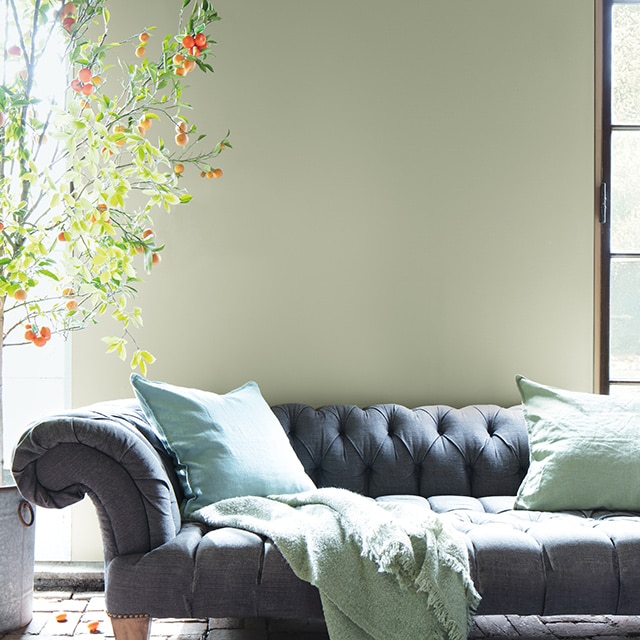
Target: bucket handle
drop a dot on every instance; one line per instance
(25, 513)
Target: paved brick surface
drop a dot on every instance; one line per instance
(82, 608)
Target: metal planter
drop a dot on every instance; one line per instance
(17, 543)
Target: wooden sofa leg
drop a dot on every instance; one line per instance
(131, 628)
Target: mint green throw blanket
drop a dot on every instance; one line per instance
(385, 570)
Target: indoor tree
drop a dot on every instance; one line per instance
(81, 176)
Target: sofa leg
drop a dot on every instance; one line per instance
(131, 628)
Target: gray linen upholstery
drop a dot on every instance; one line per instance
(464, 463)
(389, 449)
(109, 452)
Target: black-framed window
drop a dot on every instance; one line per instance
(620, 197)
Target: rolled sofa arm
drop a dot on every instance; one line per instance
(109, 452)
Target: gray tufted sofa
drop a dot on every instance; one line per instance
(465, 463)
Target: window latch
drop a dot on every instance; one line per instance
(603, 203)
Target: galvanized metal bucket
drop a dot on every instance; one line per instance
(17, 542)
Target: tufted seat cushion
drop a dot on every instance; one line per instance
(523, 562)
(548, 563)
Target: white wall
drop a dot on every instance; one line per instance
(407, 214)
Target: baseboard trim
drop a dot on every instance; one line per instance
(74, 576)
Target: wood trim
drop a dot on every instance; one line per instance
(602, 171)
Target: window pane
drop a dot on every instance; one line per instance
(625, 319)
(625, 62)
(625, 192)
(625, 391)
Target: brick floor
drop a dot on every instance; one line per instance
(83, 607)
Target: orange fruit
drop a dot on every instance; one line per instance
(14, 50)
(178, 58)
(217, 173)
(68, 291)
(39, 341)
(61, 617)
(1, 226)
(200, 41)
(180, 71)
(20, 294)
(182, 139)
(145, 123)
(102, 207)
(84, 75)
(195, 51)
(209, 174)
(179, 168)
(68, 22)
(141, 52)
(147, 232)
(188, 65)
(144, 37)
(93, 626)
(72, 305)
(119, 128)
(45, 332)
(62, 236)
(188, 42)
(29, 335)
(155, 258)
(96, 80)
(67, 9)
(181, 127)
(87, 89)
(76, 85)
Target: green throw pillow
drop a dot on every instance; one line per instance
(584, 450)
(225, 445)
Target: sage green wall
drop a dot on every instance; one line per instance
(407, 214)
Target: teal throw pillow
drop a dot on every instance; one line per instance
(584, 450)
(224, 445)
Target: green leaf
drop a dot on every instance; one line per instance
(117, 345)
(49, 274)
(148, 261)
(140, 360)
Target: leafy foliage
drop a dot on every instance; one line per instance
(80, 180)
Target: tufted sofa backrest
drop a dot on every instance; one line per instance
(384, 449)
